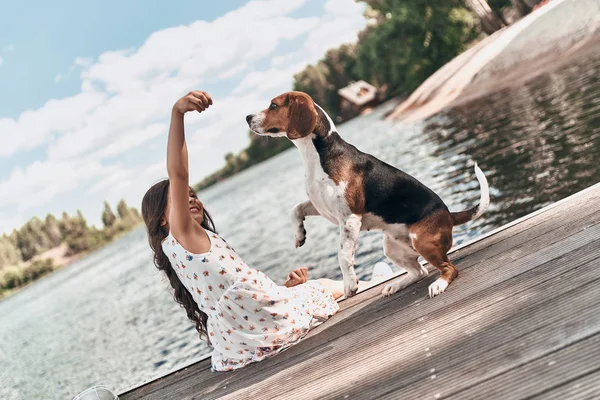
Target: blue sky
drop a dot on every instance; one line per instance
(87, 89)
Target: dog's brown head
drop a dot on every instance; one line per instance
(291, 114)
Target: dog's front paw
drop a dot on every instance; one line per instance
(300, 236)
(390, 289)
(350, 286)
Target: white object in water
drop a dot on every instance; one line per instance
(99, 392)
(381, 272)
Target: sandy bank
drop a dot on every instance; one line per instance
(543, 40)
(59, 256)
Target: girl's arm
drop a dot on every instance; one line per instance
(180, 220)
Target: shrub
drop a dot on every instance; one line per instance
(37, 269)
(10, 278)
(15, 276)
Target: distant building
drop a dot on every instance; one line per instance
(357, 97)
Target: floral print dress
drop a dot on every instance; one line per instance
(249, 317)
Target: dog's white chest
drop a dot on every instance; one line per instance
(325, 195)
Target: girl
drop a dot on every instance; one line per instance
(245, 316)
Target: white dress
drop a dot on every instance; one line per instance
(249, 317)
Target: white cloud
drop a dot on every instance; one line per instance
(1, 60)
(116, 177)
(182, 51)
(43, 180)
(36, 127)
(80, 62)
(340, 24)
(132, 139)
(233, 71)
(266, 81)
(126, 97)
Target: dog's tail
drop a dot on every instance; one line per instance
(462, 217)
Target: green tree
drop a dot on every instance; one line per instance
(262, 148)
(411, 41)
(80, 221)
(135, 214)
(9, 253)
(408, 42)
(32, 238)
(52, 230)
(499, 5)
(108, 217)
(122, 209)
(64, 224)
(36, 236)
(76, 232)
(313, 81)
(322, 81)
(231, 164)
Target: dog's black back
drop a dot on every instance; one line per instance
(390, 193)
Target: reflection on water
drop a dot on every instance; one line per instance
(538, 143)
(109, 319)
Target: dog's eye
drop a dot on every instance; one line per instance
(273, 106)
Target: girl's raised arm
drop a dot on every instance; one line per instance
(180, 220)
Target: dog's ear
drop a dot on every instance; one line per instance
(302, 116)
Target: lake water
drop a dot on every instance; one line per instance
(109, 318)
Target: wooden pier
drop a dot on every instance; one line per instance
(521, 321)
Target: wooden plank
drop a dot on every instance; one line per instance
(506, 292)
(472, 281)
(584, 387)
(156, 388)
(411, 354)
(586, 202)
(533, 378)
(378, 329)
(519, 247)
(581, 201)
(551, 231)
(473, 287)
(519, 244)
(528, 336)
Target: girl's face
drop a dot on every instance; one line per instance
(195, 206)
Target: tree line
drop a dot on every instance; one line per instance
(19, 248)
(404, 43)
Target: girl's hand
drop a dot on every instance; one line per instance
(193, 101)
(297, 277)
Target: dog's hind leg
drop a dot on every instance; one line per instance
(299, 213)
(432, 238)
(400, 252)
(349, 231)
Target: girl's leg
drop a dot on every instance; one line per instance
(336, 288)
(381, 272)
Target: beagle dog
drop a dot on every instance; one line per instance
(359, 192)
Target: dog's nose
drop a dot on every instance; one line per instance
(248, 118)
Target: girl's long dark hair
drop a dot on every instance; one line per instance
(153, 208)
